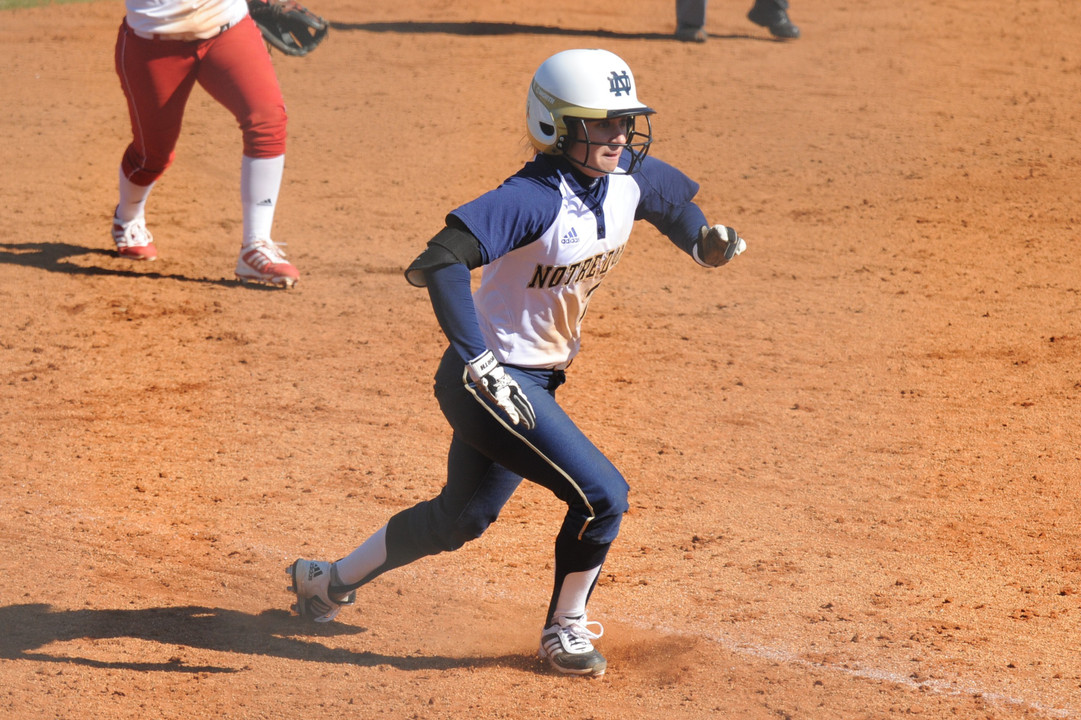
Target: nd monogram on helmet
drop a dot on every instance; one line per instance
(620, 83)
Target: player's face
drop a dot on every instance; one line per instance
(607, 138)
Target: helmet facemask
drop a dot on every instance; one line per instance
(636, 145)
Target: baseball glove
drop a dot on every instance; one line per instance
(288, 25)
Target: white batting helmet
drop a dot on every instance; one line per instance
(584, 85)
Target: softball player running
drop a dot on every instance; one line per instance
(162, 49)
(546, 238)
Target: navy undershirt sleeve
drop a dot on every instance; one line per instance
(452, 300)
(668, 202)
(682, 227)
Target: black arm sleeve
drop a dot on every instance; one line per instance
(453, 244)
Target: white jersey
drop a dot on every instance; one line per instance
(543, 326)
(185, 19)
(549, 242)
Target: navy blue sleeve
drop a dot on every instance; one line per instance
(452, 300)
(516, 212)
(667, 202)
(682, 228)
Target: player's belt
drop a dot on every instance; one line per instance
(187, 37)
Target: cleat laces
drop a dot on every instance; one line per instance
(576, 634)
(263, 253)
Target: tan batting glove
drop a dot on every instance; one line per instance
(717, 245)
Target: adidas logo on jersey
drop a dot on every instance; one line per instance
(570, 238)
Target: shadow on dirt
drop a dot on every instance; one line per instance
(500, 28)
(272, 633)
(58, 257)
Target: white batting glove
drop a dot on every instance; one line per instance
(499, 387)
(717, 245)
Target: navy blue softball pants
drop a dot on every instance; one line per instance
(488, 458)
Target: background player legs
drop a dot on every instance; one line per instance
(690, 13)
(691, 20)
(254, 98)
(260, 182)
(156, 101)
(132, 200)
(772, 14)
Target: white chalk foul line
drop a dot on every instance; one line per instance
(957, 686)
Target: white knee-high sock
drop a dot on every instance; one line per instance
(260, 181)
(575, 592)
(358, 564)
(132, 201)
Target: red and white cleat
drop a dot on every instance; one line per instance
(133, 240)
(262, 260)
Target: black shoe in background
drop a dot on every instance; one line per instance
(775, 19)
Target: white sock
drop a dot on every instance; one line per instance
(132, 199)
(575, 592)
(260, 181)
(358, 564)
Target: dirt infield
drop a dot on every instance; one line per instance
(853, 453)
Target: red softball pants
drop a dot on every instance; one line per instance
(158, 76)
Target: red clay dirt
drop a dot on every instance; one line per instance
(853, 453)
